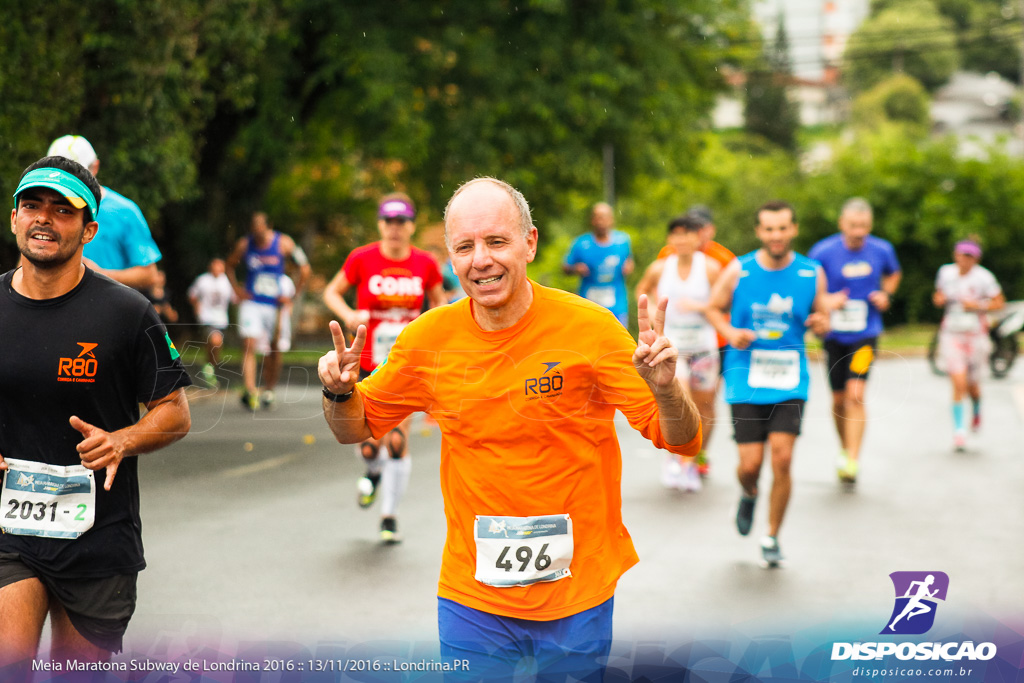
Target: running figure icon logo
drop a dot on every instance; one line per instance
(917, 594)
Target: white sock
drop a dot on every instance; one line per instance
(393, 484)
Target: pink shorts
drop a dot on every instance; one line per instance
(961, 352)
(699, 371)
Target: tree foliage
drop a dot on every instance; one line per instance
(905, 35)
(768, 110)
(898, 99)
(203, 110)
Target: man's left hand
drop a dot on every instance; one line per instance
(655, 357)
(99, 449)
(880, 300)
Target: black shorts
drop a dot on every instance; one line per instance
(752, 422)
(849, 361)
(99, 609)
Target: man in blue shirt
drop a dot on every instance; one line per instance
(773, 296)
(123, 248)
(603, 259)
(863, 273)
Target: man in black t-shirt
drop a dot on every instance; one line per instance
(78, 354)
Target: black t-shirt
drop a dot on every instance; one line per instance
(95, 352)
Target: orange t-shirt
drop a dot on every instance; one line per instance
(517, 442)
(712, 249)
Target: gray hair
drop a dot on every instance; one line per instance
(523, 209)
(856, 205)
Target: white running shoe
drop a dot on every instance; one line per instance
(959, 442)
(672, 472)
(691, 478)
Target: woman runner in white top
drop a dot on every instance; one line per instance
(685, 279)
(967, 291)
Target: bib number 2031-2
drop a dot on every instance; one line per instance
(47, 500)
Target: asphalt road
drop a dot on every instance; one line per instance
(253, 534)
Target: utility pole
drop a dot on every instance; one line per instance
(609, 171)
(1020, 101)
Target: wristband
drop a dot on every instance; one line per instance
(337, 398)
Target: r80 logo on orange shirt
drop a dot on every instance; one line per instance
(80, 369)
(548, 384)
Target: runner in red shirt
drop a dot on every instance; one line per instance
(391, 278)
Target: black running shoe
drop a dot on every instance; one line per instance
(745, 514)
(389, 530)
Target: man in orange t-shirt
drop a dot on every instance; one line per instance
(524, 382)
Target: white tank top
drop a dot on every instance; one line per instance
(689, 331)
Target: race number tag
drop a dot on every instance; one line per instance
(686, 336)
(47, 500)
(962, 321)
(852, 317)
(518, 551)
(384, 336)
(603, 296)
(774, 369)
(267, 284)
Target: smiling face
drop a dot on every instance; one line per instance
(49, 230)
(489, 252)
(776, 230)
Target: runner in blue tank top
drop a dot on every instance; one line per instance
(263, 253)
(774, 295)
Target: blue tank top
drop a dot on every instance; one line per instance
(774, 304)
(265, 268)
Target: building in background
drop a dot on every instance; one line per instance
(817, 31)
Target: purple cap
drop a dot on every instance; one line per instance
(396, 208)
(968, 247)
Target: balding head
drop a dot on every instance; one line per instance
(488, 194)
(602, 218)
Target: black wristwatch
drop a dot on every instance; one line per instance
(337, 398)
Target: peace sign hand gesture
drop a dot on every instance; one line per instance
(655, 357)
(339, 369)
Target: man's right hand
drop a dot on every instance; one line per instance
(339, 369)
(740, 338)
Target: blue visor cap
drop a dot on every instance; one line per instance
(70, 187)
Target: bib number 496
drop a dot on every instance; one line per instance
(524, 554)
(519, 551)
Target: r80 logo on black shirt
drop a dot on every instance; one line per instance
(80, 369)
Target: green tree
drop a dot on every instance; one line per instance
(768, 110)
(925, 197)
(898, 99)
(908, 36)
(426, 98)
